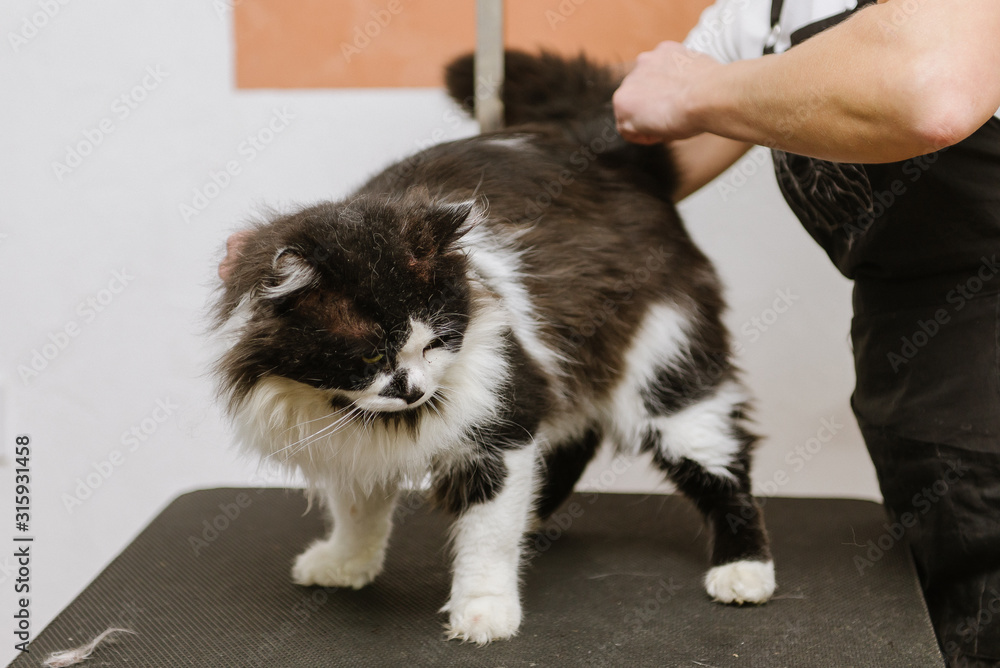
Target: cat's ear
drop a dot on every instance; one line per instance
(447, 223)
(234, 249)
(291, 273)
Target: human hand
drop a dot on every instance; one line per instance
(653, 103)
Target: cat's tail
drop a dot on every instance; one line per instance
(575, 94)
(543, 87)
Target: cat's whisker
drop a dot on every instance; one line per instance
(343, 421)
(433, 405)
(323, 417)
(293, 444)
(347, 421)
(332, 428)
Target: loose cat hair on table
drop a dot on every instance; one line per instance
(477, 319)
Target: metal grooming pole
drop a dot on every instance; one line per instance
(488, 78)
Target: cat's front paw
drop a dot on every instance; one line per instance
(328, 565)
(741, 582)
(483, 619)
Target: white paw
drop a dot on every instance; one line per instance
(329, 565)
(741, 582)
(483, 619)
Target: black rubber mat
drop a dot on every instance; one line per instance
(614, 580)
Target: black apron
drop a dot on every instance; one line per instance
(921, 239)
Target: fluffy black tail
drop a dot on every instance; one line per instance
(574, 93)
(545, 87)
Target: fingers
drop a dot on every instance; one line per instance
(631, 104)
(654, 102)
(629, 134)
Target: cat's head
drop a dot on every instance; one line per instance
(366, 300)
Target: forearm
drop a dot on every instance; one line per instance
(701, 158)
(869, 90)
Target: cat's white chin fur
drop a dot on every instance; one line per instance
(327, 564)
(390, 404)
(383, 404)
(741, 582)
(483, 619)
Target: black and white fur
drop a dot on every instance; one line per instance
(478, 318)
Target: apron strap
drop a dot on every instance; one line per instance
(772, 38)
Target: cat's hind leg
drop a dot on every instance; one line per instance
(354, 552)
(681, 402)
(562, 466)
(704, 448)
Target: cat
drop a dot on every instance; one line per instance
(476, 320)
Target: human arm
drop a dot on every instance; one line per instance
(896, 80)
(701, 158)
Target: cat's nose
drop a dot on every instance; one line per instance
(401, 388)
(413, 396)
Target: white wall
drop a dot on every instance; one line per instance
(63, 237)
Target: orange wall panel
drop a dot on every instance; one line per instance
(391, 43)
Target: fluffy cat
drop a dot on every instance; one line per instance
(477, 319)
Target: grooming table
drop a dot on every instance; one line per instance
(614, 580)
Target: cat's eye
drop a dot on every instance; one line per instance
(436, 343)
(373, 359)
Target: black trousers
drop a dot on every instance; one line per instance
(927, 356)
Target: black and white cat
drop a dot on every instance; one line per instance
(478, 318)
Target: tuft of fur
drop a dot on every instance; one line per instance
(573, 94)
(479, 317)
(538, 88)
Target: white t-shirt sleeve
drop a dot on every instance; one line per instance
(732, 30)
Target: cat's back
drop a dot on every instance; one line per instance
(576, 233)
